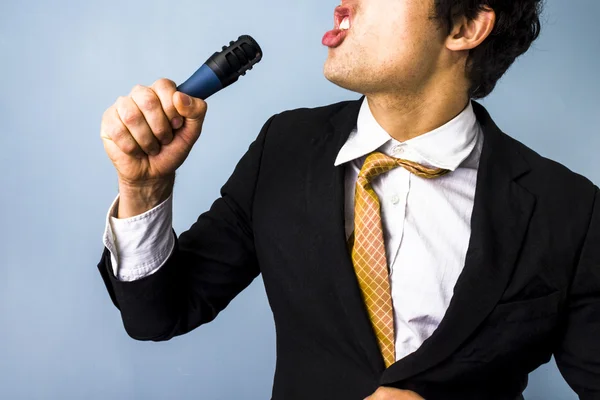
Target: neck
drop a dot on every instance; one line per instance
(407, 116)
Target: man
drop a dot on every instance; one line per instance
(409, 248)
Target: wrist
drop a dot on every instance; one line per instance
(139, 197)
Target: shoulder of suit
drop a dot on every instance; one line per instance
(554, 177)
(309, 115)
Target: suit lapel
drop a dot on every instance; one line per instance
(325, 203)
(501, 214)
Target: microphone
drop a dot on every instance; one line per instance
(223, 68)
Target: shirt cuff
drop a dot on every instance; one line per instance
(139, 245)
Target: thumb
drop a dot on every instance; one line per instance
(191, 108)
(193, 111)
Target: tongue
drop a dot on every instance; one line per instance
(334, 38)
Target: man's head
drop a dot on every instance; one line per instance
(415, 46)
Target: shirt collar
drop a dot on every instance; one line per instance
(444, 147)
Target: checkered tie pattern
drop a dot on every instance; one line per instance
(368, 248)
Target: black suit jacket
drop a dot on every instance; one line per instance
(530, 287)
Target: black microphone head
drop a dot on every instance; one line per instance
(234, 60)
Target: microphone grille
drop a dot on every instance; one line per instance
(237, 58)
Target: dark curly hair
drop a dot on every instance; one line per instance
(517, 26)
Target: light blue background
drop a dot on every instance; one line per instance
(63, 63)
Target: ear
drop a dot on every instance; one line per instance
(467, 33)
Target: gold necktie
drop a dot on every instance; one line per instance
(368, 249)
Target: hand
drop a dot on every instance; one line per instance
(386, 393)
(149, 133)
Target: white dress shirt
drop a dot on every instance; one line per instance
(426, 222)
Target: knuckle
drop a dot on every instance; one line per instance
(120, 103)
(128, 147)
(129, 114)
(138, 88)
(115, 132)
(147, 143)
(148, 101)
(130, 117)
(164, 83)
(162, 133)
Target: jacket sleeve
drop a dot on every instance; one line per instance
(578, 353)
(211, 263)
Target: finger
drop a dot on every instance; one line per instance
(193, 110)
(134, 120)
(151, 107)
(112, 130)
(164, 89)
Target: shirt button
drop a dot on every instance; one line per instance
(398, 149)
(395, 199)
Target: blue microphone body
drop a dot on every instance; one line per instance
(223, 68)
(202, 84)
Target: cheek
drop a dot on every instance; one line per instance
(394, 46)
(388, 36)
(410, 42)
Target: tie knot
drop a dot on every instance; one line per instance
(378, 163)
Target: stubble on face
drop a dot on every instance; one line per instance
(392, 47)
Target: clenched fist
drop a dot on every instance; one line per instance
(147, 136)
(149, 133)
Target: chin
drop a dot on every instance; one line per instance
(342, 77)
